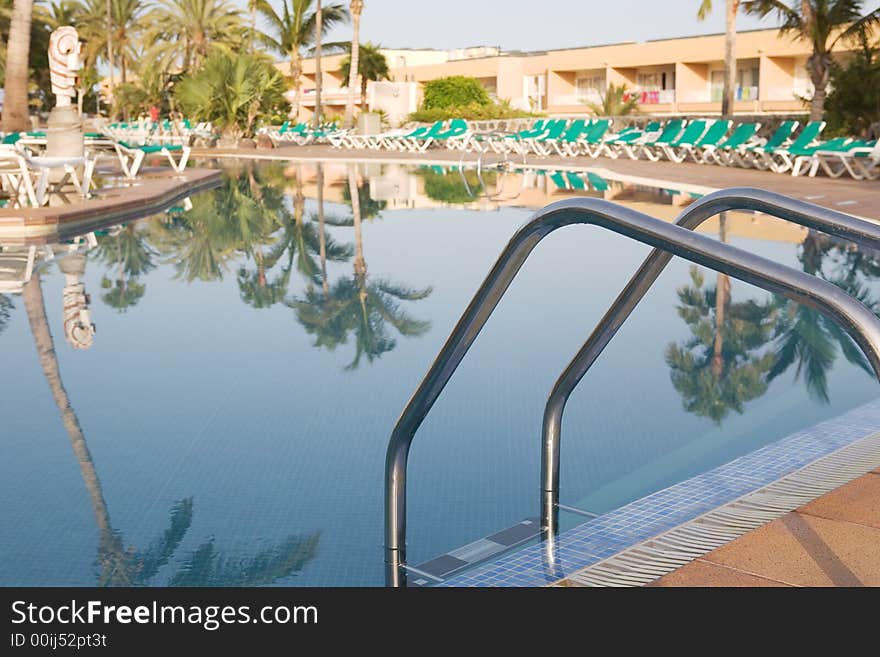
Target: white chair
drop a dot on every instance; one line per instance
(131, 157)
(862, 163)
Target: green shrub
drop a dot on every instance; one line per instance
(472, 112)
(130, 100)
(854, 101)
(454, 91)
(232, 92)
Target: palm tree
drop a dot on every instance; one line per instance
(372, 66)
(231, 92)
(616, 101)
(721, 367)
(185, 32)
(126, 26)
(732, 7)
(356, 7)
(293, 31)
(823, 23)
(15, 89)
(319, 80)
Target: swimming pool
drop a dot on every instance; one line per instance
(230, 414)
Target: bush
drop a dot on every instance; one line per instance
(854, 102)
(472, 112)
(232, 92)
(454, 91)
(130, 99)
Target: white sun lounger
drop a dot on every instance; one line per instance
(131, 157)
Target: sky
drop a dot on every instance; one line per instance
(531, 25)
(534, 25)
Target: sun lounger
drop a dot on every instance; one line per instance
(749, 155)
(672, 150)
(132, 156)
(670, 132)
(721, 153)
(861, 161)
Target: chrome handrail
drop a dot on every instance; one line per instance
(854, 317)
(805, 214)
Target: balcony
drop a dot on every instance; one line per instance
(741, 93)
(580, 98)
(329, 96)
(653, 96)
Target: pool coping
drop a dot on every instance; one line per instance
(151, 193)
(654, 535)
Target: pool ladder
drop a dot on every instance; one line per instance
(668, 240)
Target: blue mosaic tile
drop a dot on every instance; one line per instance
(658, 512)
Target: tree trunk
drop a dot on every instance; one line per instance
(819, 73)
(36, 312)
(319, 27)
(353, 68)
(296, 80)
(253, 9)
(15, 104)
(360, 265)
(110, 83)
(727, 101)
(722, 301)
(364, 94)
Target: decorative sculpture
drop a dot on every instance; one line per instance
(64, 61)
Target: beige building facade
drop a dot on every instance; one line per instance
(668, 76)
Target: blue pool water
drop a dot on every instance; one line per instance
(229, 420)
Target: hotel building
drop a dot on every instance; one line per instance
(668, 76)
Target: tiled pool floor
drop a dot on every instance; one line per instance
(609, 534)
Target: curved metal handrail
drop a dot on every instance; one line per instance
(809, 215)
(854, 317)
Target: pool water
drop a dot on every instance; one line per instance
(226, 423)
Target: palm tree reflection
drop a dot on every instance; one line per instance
(721, 366)
(355, 304)
(725, 364)
(805, 338)
(6, 307)
(119, 565)
(126, 249)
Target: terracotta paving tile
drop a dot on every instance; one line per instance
(807, 551)
(858, 502)
(702, 573)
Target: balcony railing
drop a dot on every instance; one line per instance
(653, 96)
(740, 93)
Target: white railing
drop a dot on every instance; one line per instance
(653, 96)
(576, 99)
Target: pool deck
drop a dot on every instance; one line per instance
(832, 541)
(861, 198)
(155, 189)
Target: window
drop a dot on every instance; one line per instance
(589, 88)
